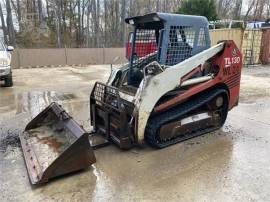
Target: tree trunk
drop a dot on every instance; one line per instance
(220, 6)
(131, 9)
(79, 23)
(149, 6)
(237, 9)
(71, 17)
(11, 31)
(82, 19)
(255, 13)
(123, 16)
(268, 10)
(3, 25)
(157, 5)
(250, 6)
(19, 11)
(105, 23)
(262, 4)
(57, 16)
(40, 15)
(96, 10)
(87, 25)
(116, 27)
(97, 23)
(47, 8)
(58, 32)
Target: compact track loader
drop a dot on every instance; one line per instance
(182, 89)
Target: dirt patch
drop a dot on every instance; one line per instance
(10, 130)
(9, 138)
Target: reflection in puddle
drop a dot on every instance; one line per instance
(102, 190)
(34, 102)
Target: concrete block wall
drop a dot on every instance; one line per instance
(22, 58)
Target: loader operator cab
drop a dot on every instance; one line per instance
(166, 38)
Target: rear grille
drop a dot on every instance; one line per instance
(233, 80)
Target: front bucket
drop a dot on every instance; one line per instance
(54, 144)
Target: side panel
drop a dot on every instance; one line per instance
(153, 88)
(228, 75)
(230, 63)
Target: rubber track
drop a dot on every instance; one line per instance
(155, 122)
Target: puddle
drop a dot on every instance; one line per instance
(34, 102)
(17, 110)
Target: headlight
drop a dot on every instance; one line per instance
(4, 62)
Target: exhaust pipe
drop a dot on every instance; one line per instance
(54, 144)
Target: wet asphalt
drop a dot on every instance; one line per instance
(231, 164)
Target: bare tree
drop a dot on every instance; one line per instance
(10, 25)
(237, 9)
(19, 11)
(256, 10)
(77, 23)
(40, 15)
(4, 28)
(56, 13)
(268, 9)
(123, 16)
(226, 6)
(88, 24)
(260, 9)
(250, 6)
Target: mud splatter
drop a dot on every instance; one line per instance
(10, 138)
